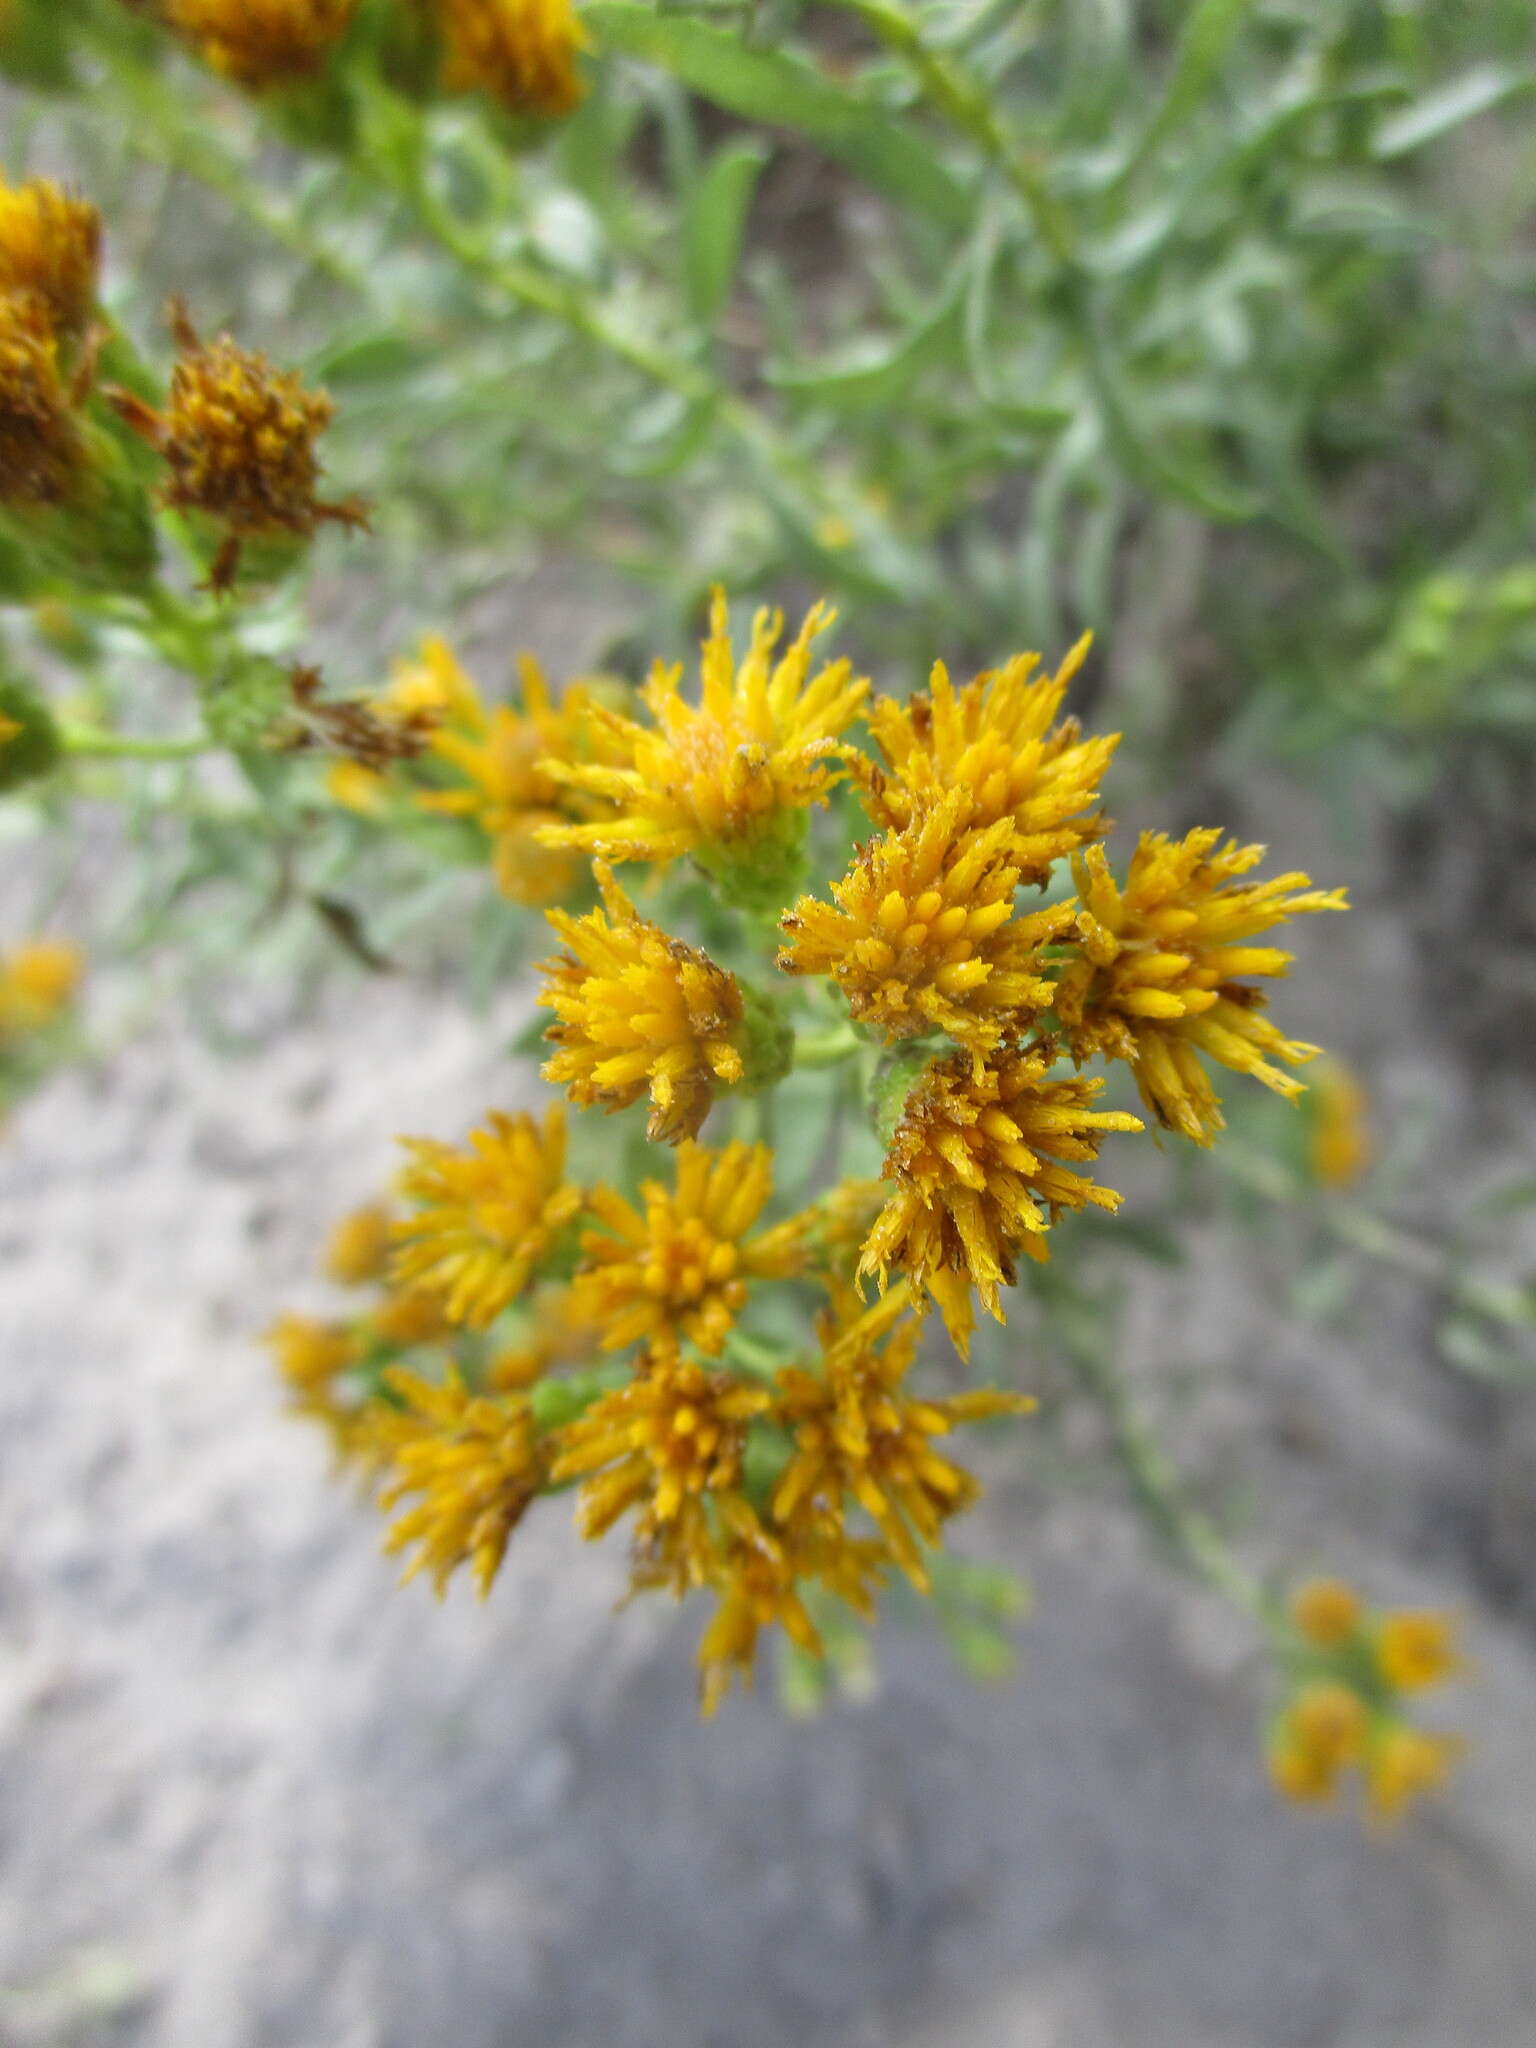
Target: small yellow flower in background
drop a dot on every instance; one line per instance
(505, 756)
(1328, 1720)
(1326, 1611)
(262, 44)
(238, 439)
(983, 1163)
(521, 52)
(674, 1435)
(1157, 982)
(715, 779)
(684, 1268)
(921, 934)
(860, 1436)
(997, 741)
(357, 1250)
(1346, 1714)
(1416, 1647)
(50, 249)
(639, 1013)
(487, 1216)
(308, 1353)
(1340, 1140)
(356, 788)
(38, 983)
(9, 729)
(41, 452)
(1406, 1765)
(476, 1464)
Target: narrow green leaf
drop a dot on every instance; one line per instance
(1202, 47)
(784, 91)
(714, 219)
(1447, 107)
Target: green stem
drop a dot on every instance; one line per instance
(1157, 1488)
(827, 1048)
(86, 744)
(968, 106)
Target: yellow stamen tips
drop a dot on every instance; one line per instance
(262, 44)
(475, 1464)
(41, 452)
(639, 1013)
(685, 1266)
(359, 1246)
(715, 778)
(1405, 1765)
(38, 984)
(487, 1217)
(983, 1162)
(997, 740)
(1341, 1139)
(921, 935)
(1162, 976)
(862, 1440)
(521, 52)
(238, 439)
(501, 761)
(1416, 1647)
(50, 250)
(660, 1446)
(1326, 1612)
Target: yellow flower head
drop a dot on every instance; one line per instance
(50, 249)
(487, 1216)
(996, 740)
(476, 1465)
(718, 779)
(674, 1435)
(639, 1012)
(238, 439)
(521, 52)
(1306, 1777)
(358, 1248)
(309, 1354)
(1328, 1720)
(1341, 1139)
(1326, 1611)
(502, 756)
(41, 452)
(38, 982)
(1416, 1647)
(1158, 981)
(921, 935)
(557, 1334)
(860, 1437)
(683, 1269)
(262, 43)
(758, 1576)
(983, 1163)
(1406, 1764)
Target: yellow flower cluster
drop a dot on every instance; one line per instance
(38, 982)
(237, 437)
(50, 257)
(625, 1333)
(1344, 1713)
(262, 44)
(521, 52)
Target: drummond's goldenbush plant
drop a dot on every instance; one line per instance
(846, 1001)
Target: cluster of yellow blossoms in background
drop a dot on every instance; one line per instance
(652, 1371)
(520, 52)
(1344, 1714)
